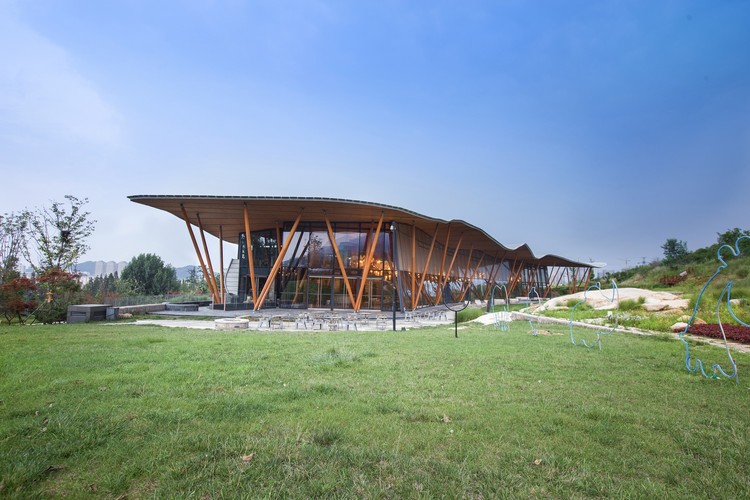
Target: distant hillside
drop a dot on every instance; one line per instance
(89, 267)
(690, 272)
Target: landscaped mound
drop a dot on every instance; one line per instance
(652, 301)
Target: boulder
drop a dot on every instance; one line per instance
(679, 327)
(686, 318)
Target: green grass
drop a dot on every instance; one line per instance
(107, 411)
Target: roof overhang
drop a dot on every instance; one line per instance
(225, 215)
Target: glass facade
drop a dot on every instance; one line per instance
(310, 274)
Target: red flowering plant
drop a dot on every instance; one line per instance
(17, 299)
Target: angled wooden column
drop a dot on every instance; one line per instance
(588, 277)
(251, 264)
(222, 290)
(368, 262)
(466, 272)
(195, 243)
(335, 246)
(210, 279)
(491, 277)
(415, 300)
(473, 275)
(532, 283)
(301, 277)
(511, 284)
(441, 274)
(277, 265)
(413, 261)
(499, 268)
(515, 278)
(450, 268)
(550, 281)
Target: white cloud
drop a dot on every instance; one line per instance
(43, 96)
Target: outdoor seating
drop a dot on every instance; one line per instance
(333, 322)
(302, 319)
(317, 320)
(381, 323)
(351, 322)
(276, 323)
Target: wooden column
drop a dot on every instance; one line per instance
(473, 275)
(195, 243)
(277, 265)
(335, 246)
(413, 261)
(450, 268)
(415, 300)
(212, 278)
(368, 262)
(222, 290)
(251, 264)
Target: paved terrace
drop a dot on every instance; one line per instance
(306, 320)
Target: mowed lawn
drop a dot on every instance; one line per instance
(115, 411)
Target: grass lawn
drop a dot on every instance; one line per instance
(101, 410)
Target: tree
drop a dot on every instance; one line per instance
(674, 250)
(150, 276)
(730, 236)
(59, 290)
(60, 234)
(17, 297)
(13, 243)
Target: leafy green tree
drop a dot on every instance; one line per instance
(150, 276)
(59, 233)
(674, 250)
(730, 236)
(59, 289)
(13, 242)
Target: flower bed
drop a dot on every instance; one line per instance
(734, 333)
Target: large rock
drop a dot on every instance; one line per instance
(654, 301)
(686, 319)
(679, 327)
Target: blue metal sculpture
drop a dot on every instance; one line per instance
(502, 318)
(717, 370)
(533, 323)
(615, 299)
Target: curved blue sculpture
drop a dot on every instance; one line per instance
(533, 323)
(615, 299)
(716, 369)
(502, 318)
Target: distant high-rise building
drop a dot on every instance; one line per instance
(102, 268)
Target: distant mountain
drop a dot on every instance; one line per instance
(87, 267)
(184, 271)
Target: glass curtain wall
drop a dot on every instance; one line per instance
(310, 275)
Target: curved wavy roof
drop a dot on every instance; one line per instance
(267, 211)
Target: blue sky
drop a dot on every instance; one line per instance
(593, 130)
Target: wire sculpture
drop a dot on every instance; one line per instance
(502, 318)
(455, 312)
(615, 299)
(716, 369)
(533, 322)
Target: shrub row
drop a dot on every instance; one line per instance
(736, 333)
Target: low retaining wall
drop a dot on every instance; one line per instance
(142, 309)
